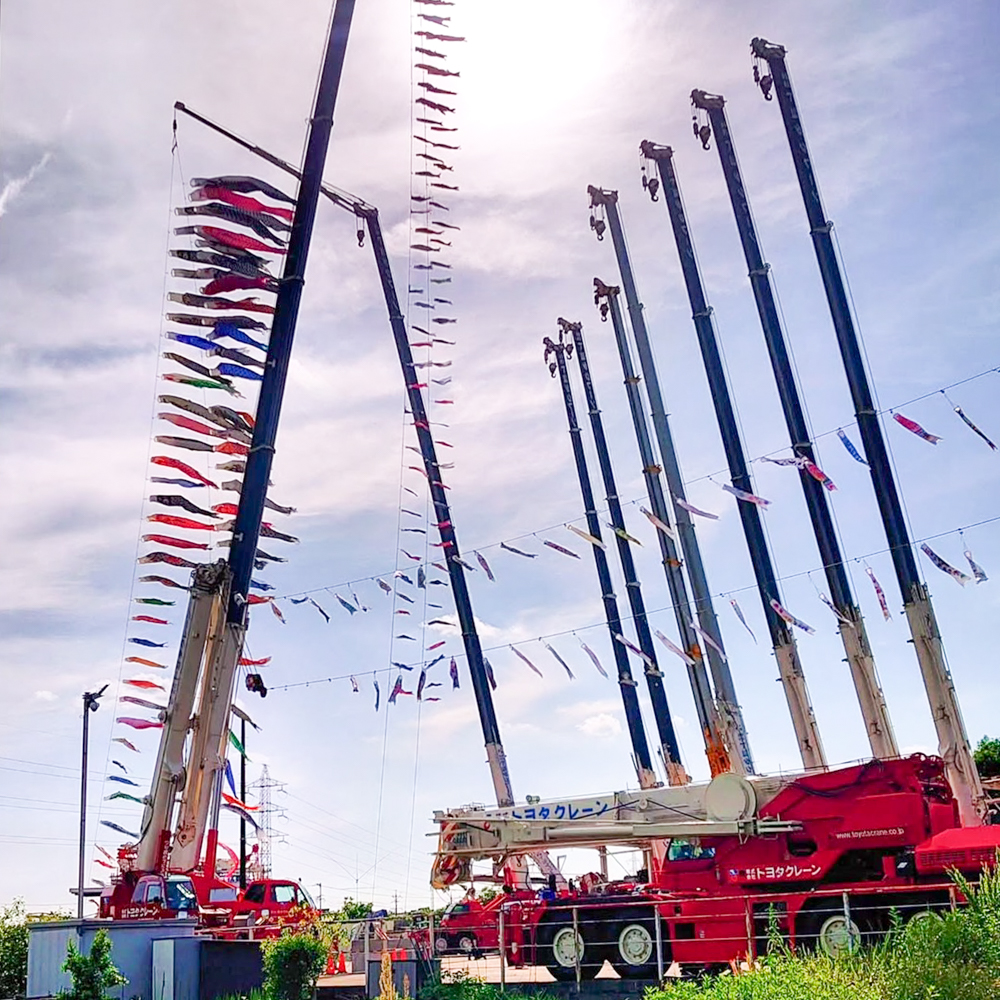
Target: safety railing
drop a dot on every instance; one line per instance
(580, 938)
(693, 933)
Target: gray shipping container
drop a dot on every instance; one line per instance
(131, 951)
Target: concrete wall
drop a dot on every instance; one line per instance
(131, 951)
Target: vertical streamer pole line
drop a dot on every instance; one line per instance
(856, 646)
(608, 200)
(654, 679)
(630, 698)
(722, 720)
(785, 649)
(246, 530)
(953, 740)
(463, 605)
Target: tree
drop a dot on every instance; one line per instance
(91, 974)
(354, 910)
(13, 950)
(987, 757)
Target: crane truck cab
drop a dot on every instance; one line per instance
(267, 905)
(471, 926)
(150, 897)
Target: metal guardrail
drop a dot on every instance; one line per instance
(574, 937)
(590, 931)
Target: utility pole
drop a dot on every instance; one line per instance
(90, 699)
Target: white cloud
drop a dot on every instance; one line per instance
(603, 726)
(13, 188)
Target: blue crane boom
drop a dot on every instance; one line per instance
(783, 642)
(725, 740)
(953, 741)
(630, 698)
(607, 201)
(184, 793)
(669, 746)
(852, 630)
(250, 512)
(368, 218)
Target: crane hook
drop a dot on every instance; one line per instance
(765, 82)
(702, 132)
(650, 184)
(599, 226)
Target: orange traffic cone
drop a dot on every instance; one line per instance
(331, 964)
(341, 964)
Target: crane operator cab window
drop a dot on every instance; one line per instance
(284, 894)
(180, 895)
(689, 850)
(290, 894)
(255, 893)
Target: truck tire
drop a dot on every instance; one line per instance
(828, 932)
(634, 955)
(466, 944)
(560, 947)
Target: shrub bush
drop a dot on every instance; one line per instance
(13, 950)
(91, 974)
(292, 964)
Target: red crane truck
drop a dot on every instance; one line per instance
(823, 858)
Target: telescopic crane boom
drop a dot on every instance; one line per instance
(725, 691)
(786, 651)
(720, 720)
(953, 740)
(852, 629)
(630, 698)
(217, 612)
(368, 218)
(561, 349)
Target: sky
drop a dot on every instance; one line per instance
(900, 103)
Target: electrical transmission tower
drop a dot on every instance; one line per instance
(266, 812)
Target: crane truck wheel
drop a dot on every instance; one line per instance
(635, 950)
(467, 944)
(561, 947)
(833, 934)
